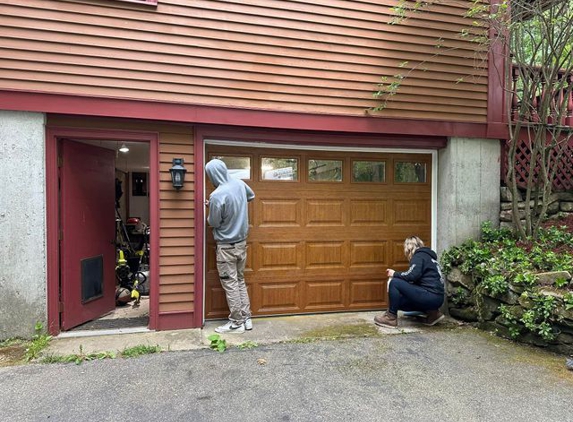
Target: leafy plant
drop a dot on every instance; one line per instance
(459, 297)
(526, 278)
(561, 282)
(217, 343)
(538, 318)
(568, 300)
(511, 319)
(495, 284)
(39, 342)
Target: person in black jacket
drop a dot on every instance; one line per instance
(420, 288)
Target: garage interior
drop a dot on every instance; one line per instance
(132, 237)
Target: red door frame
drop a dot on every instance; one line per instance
(52, 211)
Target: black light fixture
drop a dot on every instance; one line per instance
(178, 173)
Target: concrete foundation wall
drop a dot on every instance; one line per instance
(468, 189)
(22, 223)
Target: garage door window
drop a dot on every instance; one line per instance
(279, 168)
(408, 172)
(369, 171)
(324, 171)
(239, 167)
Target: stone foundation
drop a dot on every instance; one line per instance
(560, 204)
(470, 302)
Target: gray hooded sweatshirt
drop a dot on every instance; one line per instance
(228, 214)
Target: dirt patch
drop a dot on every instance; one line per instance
(12, 355)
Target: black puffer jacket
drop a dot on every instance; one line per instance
(425, 271)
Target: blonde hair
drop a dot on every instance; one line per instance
(411, 245)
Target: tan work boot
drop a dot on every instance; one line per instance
(386, 320)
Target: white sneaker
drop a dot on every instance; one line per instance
(248, 324)
(230, 327)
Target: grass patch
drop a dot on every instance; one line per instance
(338, 332)
(81, 357)
(78, 358)
(135, 351)
(14, 341)
(247, 345)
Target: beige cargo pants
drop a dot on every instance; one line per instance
(231, 260)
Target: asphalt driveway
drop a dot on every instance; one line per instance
(439, 374)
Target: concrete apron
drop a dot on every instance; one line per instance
(266, 330)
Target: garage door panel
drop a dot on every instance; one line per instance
(280, 212)
(324, 245)
(278, 297)
(211, 253)
(324, 212)
(367, 293)
(369, 255)
(368, 212)
(325, 255)
(276, 256)
(321, 295)
(414, 211)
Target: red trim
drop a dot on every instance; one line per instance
(175, 320)
(319, 139)
(187, 113)
(52, 242)
(199, 164)
(52, 211)
(154, 221)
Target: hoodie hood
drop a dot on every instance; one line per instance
(428, 252)
(217, 172)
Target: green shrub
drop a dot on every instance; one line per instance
(500, 258)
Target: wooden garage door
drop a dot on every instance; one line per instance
(325, 226)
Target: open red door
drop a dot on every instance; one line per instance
(87, 219)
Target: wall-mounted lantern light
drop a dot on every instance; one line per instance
(178, 173)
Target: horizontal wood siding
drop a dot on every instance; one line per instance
(316, 56)
(177, 243)
(177, 223)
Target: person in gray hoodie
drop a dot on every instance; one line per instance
(419, 289)
(228, 216)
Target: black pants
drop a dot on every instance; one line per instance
(405, 296)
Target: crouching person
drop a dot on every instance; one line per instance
(419, 289)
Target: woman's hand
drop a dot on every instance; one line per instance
(390, 272)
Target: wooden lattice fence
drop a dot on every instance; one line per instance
(563, 176)
(561, 96)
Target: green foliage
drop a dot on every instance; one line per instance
(247, 345)
(217, 343)
(459, 297)
(495, 284)
(387, 89)
(512, 321)
(526, 279)
(500, 259)
(140, 350)
(538, 319)
(79, 358)
(568, 300)
(39, 342)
